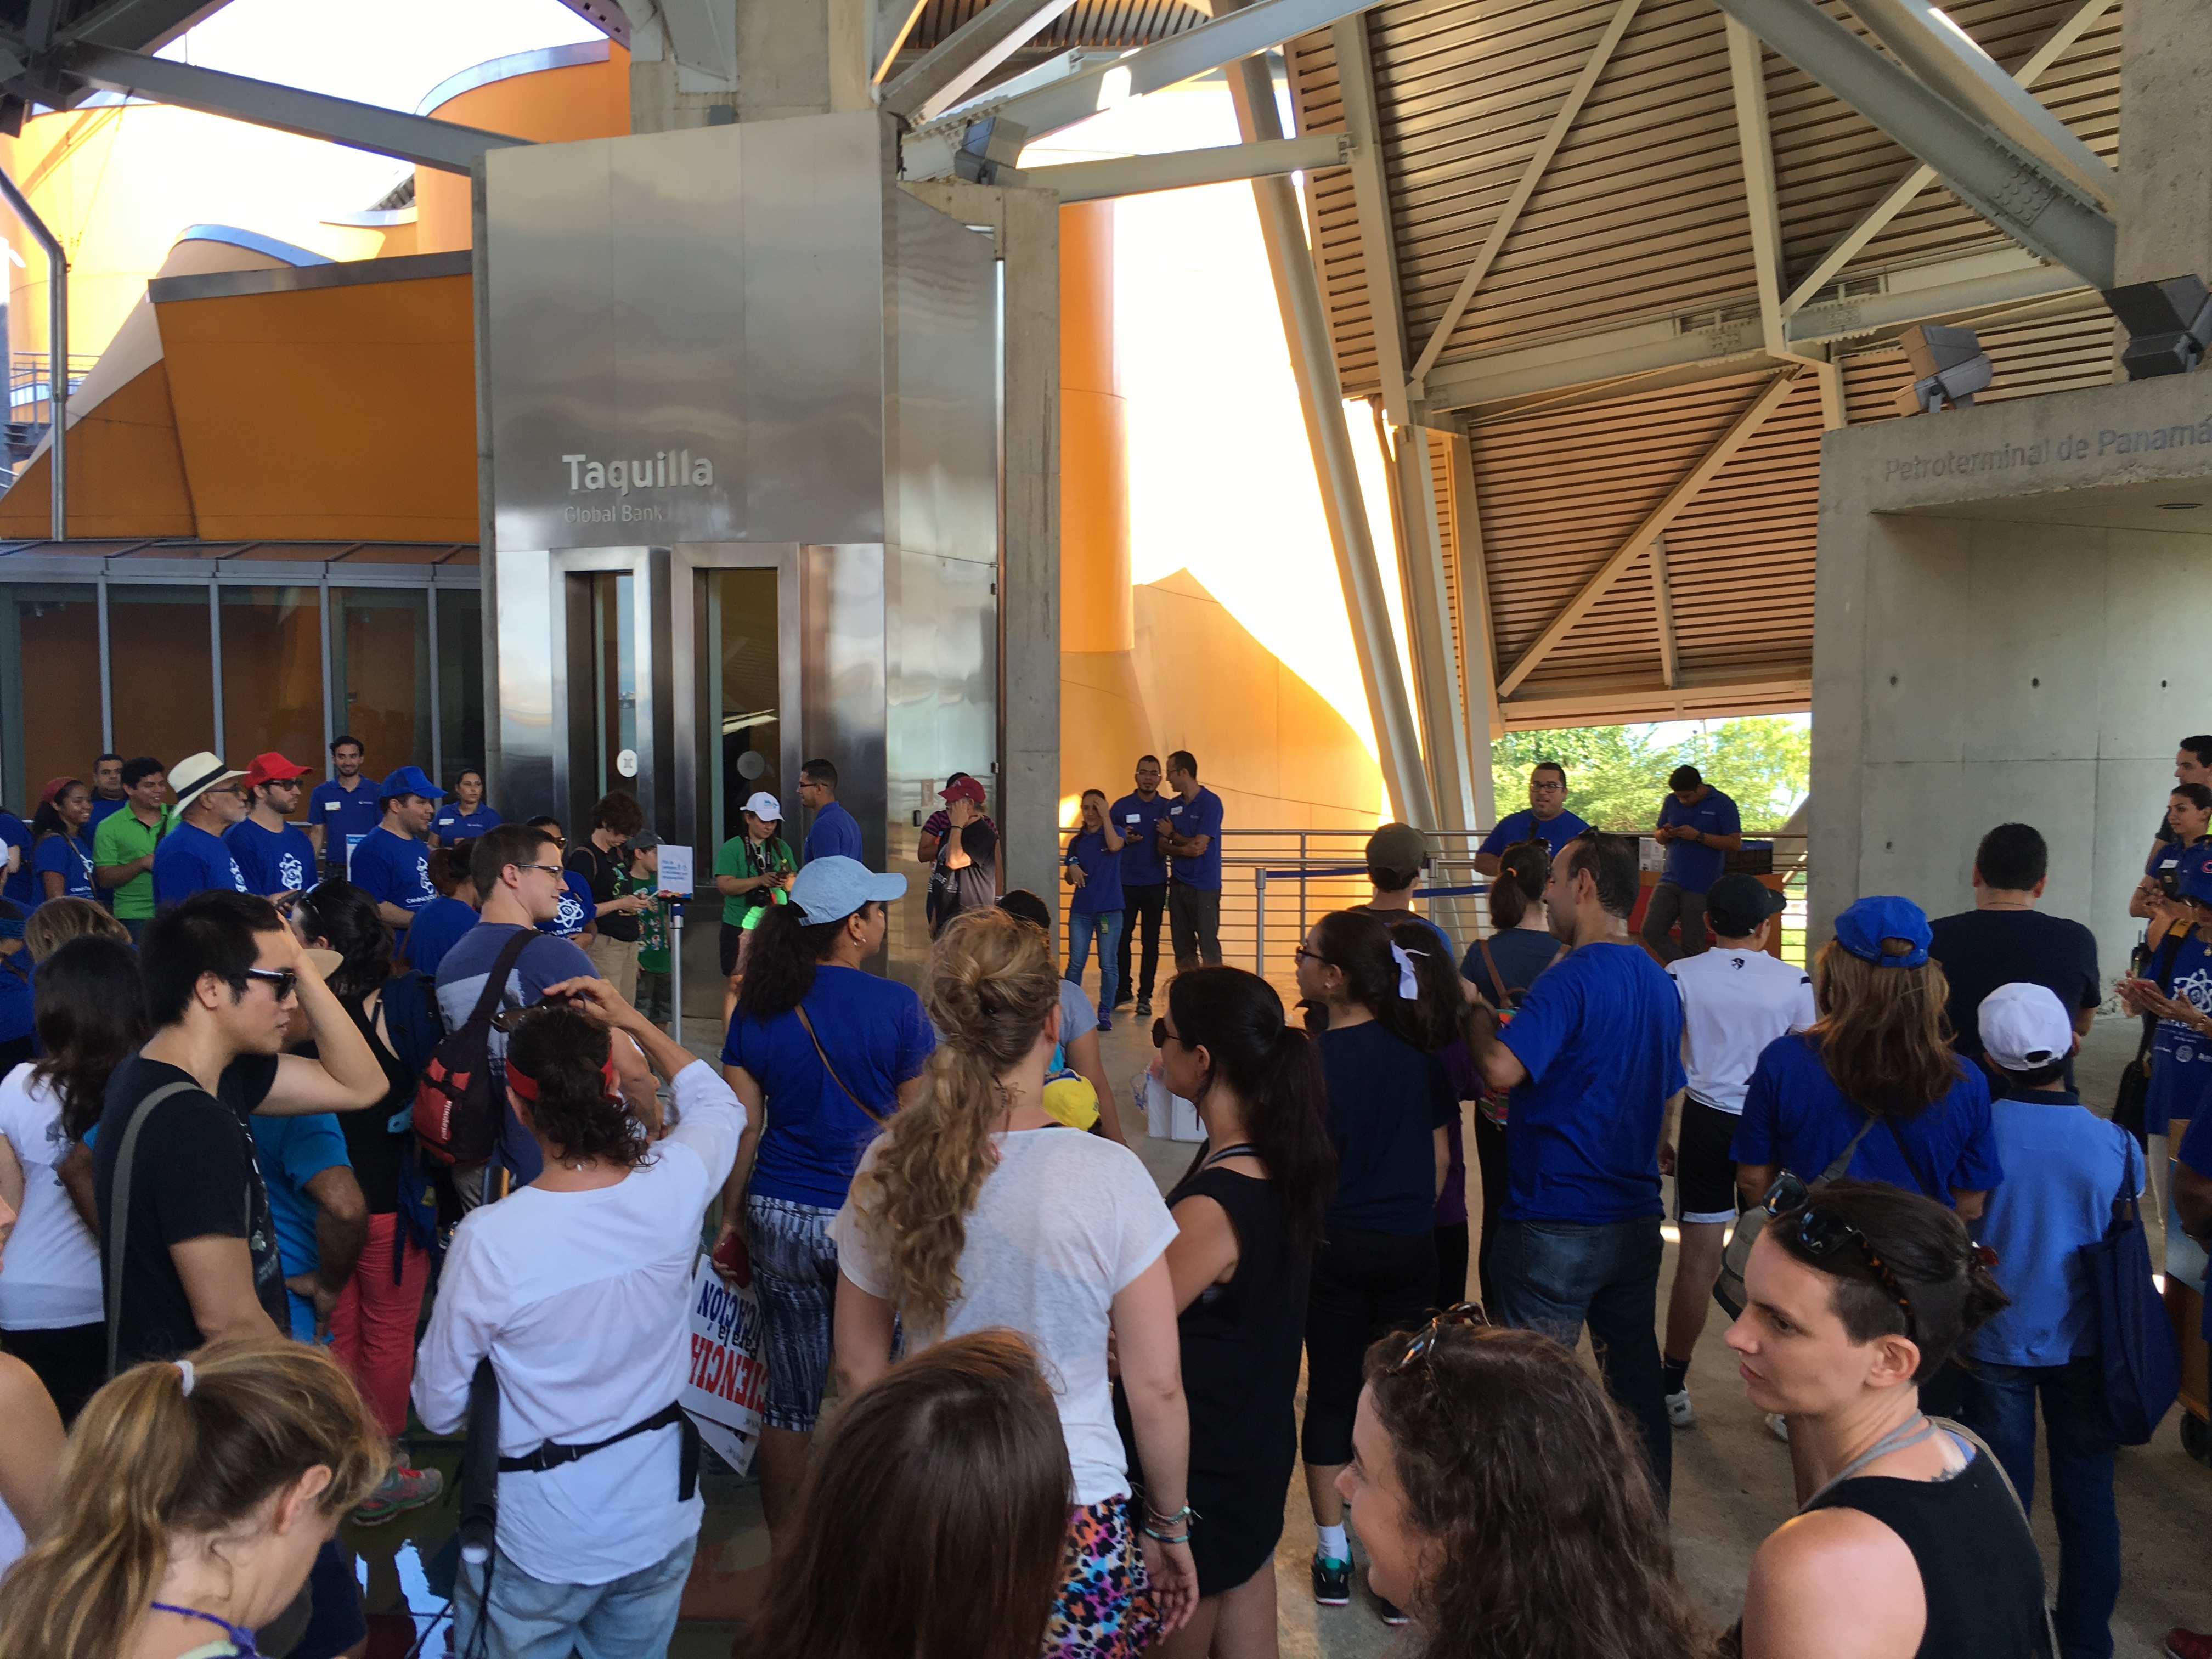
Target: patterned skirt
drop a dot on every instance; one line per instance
(1105, 1608)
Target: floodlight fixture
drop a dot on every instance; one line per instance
(2169, 326)
(1949, 368)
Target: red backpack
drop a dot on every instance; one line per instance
(457, 1118)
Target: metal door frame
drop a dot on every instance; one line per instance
(688, 562)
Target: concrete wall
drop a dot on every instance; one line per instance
(2004, 630)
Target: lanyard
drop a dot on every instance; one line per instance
(240, 1637)
(1896, 1440)
(1242, 1146)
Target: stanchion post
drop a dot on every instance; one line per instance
(1260, 922)
(676, 972)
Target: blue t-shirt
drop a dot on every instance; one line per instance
(189, 860)
(393, 870)
(578, 908)
(18, 986)
(344, 813)
(1520, 954)
(876, 1037)
(101, 806)
(273, 860)
(1199, 816)
(1515, 828)
(71, 858)
(1102, 873)
(1796, 1118)
(836, 834)
(292, 1152)
(1386, 1101)
(2063, 1167)
(23, 886)
(1600, 1034)
(1691, 866)
(453, 824)
(1134, 816)
(2180, 1060)
(460, 979)
(432, 932)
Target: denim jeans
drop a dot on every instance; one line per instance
(634, 1617)
(2001, 1408)
(1081, 925)
(1556, 1276)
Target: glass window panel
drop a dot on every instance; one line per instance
(272, 674)
(381, 673)
(460, 680)
(161, 658)
(742, 652)
(49, 687)
(614, 669)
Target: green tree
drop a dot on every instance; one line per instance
(1616, 774)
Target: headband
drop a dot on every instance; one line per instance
(525, 1085)
(1409, 983)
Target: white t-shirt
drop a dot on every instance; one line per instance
(579, 1300)
(1061, 1227)
(52, 1277)
(1734, 1003)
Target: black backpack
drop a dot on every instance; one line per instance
(457, 1116)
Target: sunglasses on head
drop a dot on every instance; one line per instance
(1820, 1233)
(1425, 1340)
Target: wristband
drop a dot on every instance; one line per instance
(1167, 1538)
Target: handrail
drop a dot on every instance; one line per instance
(56, 343)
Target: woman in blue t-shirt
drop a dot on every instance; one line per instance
(1391, 1107)
(1093, 868)
(1878, 1059)
(61, 851)
(822, 1053)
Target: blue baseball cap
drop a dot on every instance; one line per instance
(831, 888)
(1862, 929)
(2192, 877)
(409, 780)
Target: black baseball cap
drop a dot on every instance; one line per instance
(1736, 905)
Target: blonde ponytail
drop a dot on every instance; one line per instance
(991, 985)
(145, 1462)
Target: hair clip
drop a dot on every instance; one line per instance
(1409, 984)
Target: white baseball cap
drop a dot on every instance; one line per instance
(2025, 1028)
(765, 807)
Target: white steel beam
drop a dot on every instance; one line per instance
(1755, 143)
(1574, 702)
(1656, 521)
(1428, 623)
(1663, 598)
(2014, 191)
(1918, 178)
(1593, 66)
(417, 138)
(964, 57)
(1049, 109)
(1847, 319)
(1135, 175)
(1478, 660)
(1371, 194)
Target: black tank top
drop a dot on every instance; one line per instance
(1241, 1341)
(1979, 1570)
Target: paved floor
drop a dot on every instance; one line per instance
(1731, 1488)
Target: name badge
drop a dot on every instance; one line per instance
(1136, 817)
(1175, 811)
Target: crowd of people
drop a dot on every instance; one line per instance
(1067, 1406)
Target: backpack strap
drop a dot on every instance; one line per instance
(118, 1210)
(1842, 1161)
(495, 985)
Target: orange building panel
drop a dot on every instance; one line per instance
(126, 471)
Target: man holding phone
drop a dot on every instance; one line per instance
(276, 856)
(1144, 883)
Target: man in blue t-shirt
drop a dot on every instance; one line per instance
(1546, 820)
(1698, 827)
(835, 832)
(1592, 1058)
(273, 853)
(391, 863)
(192, 857)
(1137, 817)
(344, 809)
(108, 794)
(1190, 835)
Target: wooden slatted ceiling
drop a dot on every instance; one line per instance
(1739, 558)
(1101, 23)
(2064, 352)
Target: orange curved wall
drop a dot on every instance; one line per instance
(549, 106)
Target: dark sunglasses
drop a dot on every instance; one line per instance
(1820, 1233)
(1162, 1037)
(281, 981)
(1424, 1341)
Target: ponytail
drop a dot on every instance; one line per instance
(147, 1465)
(990, 988)
(561, 1064)
(780, 965)
(1430, 1020)
(1522, 870)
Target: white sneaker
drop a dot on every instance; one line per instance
(1680, 1412)
(1780, 1426)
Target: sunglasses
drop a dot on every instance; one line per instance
(1301, 954)
(1820, 1233)
(281, 981)
(1162, 1037)
(1425, 1340)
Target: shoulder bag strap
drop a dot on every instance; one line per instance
(495, 985)
(1905, 1152)
(2047, 1631)
(118, 1211)
(882, 1122)
(1490, 967)
(1842, 1161)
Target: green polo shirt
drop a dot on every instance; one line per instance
(121, 838)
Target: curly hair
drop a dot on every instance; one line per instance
(991, 985)
(1882, 1034)
(1545, 1541)
(564, 1055)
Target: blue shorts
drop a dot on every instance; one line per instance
(795, 1276)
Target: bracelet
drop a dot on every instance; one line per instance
(1182, 1537)
(1186, 1513)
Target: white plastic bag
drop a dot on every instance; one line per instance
(1167, 1116)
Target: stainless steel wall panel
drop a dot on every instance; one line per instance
(940, 460)
(842, 626)
(530, 648)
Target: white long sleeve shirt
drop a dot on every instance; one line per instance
(579, 1300)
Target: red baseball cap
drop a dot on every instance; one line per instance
(964, 789)
(271, 768)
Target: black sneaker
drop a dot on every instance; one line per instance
(1331, 1582)
(1144, 1007)
(1392, 1613)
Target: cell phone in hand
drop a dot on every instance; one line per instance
(732, 1257)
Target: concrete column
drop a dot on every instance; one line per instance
(695, 63)
(2164, 201)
